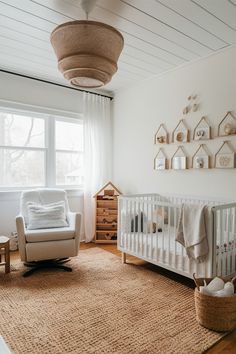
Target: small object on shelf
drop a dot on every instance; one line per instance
(180, 133)
(106, 214)
(201, 158)
(179, 159)
(108, 236)
(227, 125)
(229, 129)
(161, 135)
(202, 130)
(225, 156)
(108, 197)
(160, 161)
(109, 192)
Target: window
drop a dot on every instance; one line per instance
(69, 153)
(37, 151)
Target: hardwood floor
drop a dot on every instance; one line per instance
(226, 346)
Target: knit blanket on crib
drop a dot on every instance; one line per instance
(191, 231)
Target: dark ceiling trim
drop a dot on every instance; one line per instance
(53, 83)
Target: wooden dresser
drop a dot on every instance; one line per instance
(106, 214)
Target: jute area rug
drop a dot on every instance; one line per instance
(101, 307)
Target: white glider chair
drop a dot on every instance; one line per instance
(47, 244)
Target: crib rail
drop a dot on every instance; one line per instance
(224, 242)
(147, 228)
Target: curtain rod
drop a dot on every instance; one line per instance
(53, 83)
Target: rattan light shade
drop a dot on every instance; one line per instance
(87, 52)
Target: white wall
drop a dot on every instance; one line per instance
(26, 91)
(14, 89)
(139, 110)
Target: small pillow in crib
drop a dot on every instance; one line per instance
(46, 215)
(161, 216)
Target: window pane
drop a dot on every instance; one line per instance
(69, 168)
(21, 168)
(16, 130)
(69, 136)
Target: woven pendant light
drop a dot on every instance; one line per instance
(87, 52)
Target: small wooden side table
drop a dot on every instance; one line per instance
(5, 250)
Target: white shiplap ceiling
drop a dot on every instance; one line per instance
(159, 34)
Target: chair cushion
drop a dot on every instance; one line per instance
(46, 216)
(55, 234)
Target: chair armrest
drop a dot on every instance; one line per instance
(20, 228)
(74, 220)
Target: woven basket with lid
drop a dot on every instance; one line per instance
(216, 313)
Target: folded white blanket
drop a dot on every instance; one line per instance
(191, 232)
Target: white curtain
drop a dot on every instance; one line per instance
(97, 154)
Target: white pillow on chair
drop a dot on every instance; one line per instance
(44, 216)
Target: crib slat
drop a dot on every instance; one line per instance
(163, 236)
(151, 233)
(168, 233)
(227, 253)
(175, 231)
(142, 239)
(156, 235)
(233, 246)
(220, 265)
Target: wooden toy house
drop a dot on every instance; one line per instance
(106, 214)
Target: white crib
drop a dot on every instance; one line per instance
(147, 226)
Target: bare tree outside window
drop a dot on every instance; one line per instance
(22, 161)
(27, 157)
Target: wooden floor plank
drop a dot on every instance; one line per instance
(226, 346)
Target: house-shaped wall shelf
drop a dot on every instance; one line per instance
(202, 130)
(201, 158)
(179, 159)
(228, 125)
(161, 136)
(180, 133)
(225, 156)
(106, 214)
(160, 161)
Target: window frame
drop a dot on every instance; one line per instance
(49, 148)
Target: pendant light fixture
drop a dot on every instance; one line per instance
(87, 51)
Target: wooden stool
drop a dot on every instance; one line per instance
(5, 250)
